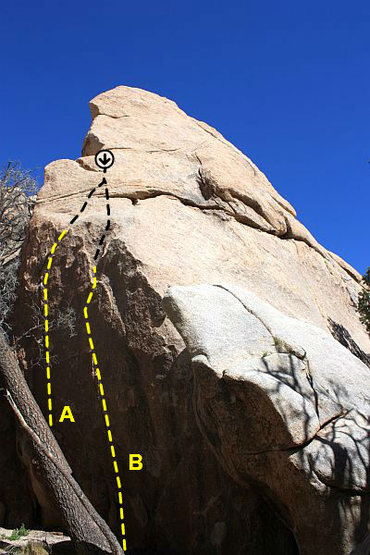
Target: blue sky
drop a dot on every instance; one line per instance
(287, 82)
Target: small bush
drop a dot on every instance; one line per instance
(363, 305)
(18, 533)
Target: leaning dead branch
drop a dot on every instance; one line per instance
(88, 531)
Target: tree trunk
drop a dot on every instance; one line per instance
(88, 531)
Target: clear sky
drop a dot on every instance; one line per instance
(287, 82)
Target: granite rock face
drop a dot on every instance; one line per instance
(186, 207)
(282, 404)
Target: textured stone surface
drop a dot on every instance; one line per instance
(35, 542)
(295, 396)
(210, 213)
(186, 208)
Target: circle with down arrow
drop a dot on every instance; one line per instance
(104, 159)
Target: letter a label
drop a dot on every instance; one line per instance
(66, 414)
(135, 462)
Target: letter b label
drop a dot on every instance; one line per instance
(135, 462)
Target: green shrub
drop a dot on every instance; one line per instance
(18, 533)
(363, 305)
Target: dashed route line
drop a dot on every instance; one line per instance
(46, 328)
(103, 182)
(102, 238)
(46, 305)
(105, 410)
(99, 378)
(91, 345)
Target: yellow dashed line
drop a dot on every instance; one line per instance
(46, 313)
(105, 411)
(97, 371)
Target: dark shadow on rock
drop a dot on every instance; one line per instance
(341, 334)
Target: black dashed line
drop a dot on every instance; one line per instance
(102, 238)
(104, 182)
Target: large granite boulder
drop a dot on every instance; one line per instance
(284, 405)
(186, 207)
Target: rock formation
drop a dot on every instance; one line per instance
(186, 208)
(33, 542)
(284, 404)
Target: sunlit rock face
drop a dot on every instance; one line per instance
(187, 207)
(284, 405)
